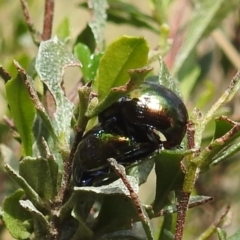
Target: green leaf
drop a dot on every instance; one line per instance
(86, 37)
(109, 196)
(121, 12)
(222, 235)
(83, 231)
(222, 127)
(29, 191)
(169, 174)
(224, 99)
(199, 25)
(51, 60)
(116, 187)
(41, 224)
(83, 54)
(99, 20)
(63, 30)
(37, 103)
(221, 14)
(23, 111)
(165, 78)
(122, 55)
(93, 66)
(166, 229)
(142, 170)
(137, 76)
(14, 216)
(160, 8)
(111, 81)
(222, 147)
(118, 218)
(44, 179)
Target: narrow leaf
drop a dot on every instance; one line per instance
(121, 12)
(83, 54)
(34, 97)
(198, 26)
(225, 98)
(166, 228)
(166, 79)
(99, 20)
(23, 111)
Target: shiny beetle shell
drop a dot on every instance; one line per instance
(98, 145)
(152, 106)
(129, 130)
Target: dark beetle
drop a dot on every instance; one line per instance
(98, 145)
(129, 130)
(151, 106)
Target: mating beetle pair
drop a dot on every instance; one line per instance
(129, 130)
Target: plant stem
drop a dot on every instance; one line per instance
(188, 184)
(171, 210)
(215, 225)
(48, 20)
(65, 185)
(182, 207)
(120, 171)
(4, 74)
(36, 36)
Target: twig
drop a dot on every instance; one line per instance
(215, 225)
(36, 36)
(68, 169)
(120, 171)
(182, 205)
(182, 208)
(48, 20)
(46, 147)
(9, 122)
(4, 74)
(173, 210)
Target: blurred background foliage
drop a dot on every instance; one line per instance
(201, 50)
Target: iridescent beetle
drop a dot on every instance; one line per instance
(130, 130)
